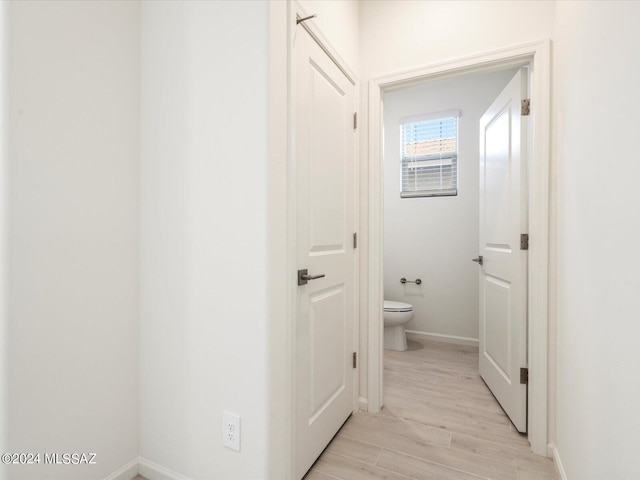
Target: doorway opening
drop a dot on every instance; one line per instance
(536, 58)
(455, 169)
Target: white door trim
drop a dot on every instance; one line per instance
(538, 56)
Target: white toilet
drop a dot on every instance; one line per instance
(396, 316)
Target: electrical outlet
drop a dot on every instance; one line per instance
(231, 431)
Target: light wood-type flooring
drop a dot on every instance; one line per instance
(439, 421)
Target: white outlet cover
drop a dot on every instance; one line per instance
(231, 431)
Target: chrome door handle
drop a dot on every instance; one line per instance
(304, 277)
(478, 260)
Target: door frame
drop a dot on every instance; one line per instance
(538, 56)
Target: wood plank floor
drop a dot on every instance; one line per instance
(439, 422)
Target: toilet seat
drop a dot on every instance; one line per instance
(391, 306)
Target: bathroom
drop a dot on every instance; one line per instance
(431, 229)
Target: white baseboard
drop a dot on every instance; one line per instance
(126, 472)
(558, 462)
(153, 471)
(549, 450)
(438, 337)
(364, 404)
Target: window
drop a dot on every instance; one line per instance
(429, 156)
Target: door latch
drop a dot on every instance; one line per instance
(478, 260)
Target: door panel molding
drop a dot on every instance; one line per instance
(537, 55)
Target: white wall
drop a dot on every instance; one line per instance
(4, 317)
(339, 22)
(597, 46)
(400, 35)
(435, 238)
(73, 218)
(203, 237)
(397, 35)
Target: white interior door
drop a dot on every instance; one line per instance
(503, 272)
(325, 205)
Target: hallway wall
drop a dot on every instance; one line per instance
(4, 310)
(597, 201)
(73, 222)
(203, 315)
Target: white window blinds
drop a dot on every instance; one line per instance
(430, 157)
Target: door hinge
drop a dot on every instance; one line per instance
(525, 107)
(524, 376)
(355, 120)
(355, 240)
(524, 241)
(355, 359)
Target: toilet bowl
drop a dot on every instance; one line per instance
(396, 316)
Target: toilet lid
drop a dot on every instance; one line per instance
(390, 306)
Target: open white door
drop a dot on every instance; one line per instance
(503, 269)
(325, 204)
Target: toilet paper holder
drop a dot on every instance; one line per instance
(417, 281)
